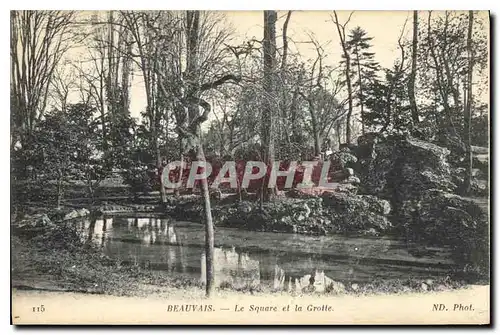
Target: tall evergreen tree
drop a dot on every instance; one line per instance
(363, 65)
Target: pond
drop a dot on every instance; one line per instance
(276, 260)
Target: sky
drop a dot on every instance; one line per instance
(384, 26)
(319, 23)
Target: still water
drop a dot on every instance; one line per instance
(279, 261)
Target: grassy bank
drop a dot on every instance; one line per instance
(59, 261)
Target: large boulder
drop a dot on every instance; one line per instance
(350, 212)
(375, 162)
(351, 202)
(284, 215)
(343, 159)
(332, 212)
(400, 168)
(438, 217)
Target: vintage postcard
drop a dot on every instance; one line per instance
(250, 167)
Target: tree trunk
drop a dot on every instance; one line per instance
(181, 159)
(193, 95)
(285, 41)
(163, 192)
(449, 87)
(209, 230)
(159, 167)
(468, 112)
(127, 64)
(341, 31)
(269, 46)
(293, 116)
(110, 89)
(317, 144)
(339, 134)
(315, 129)
(349, 101)
(360, 94)
(91, 190)
(59, 192)
(413, 73)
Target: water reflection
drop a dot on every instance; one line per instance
(281, 261)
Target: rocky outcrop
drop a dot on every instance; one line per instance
(438, 217)
(344, 162)
(402, 163)
(331, 212)
(284, 215)
(399, 168)
(350, 212)
(343, 159)
(416, 178)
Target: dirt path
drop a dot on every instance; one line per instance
(464, 306)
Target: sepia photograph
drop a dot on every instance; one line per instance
(192, 167)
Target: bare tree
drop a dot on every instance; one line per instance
(193, 65)
(92, 86)
(269, 80)
(118, 58)
(281, 130)
(63, 82)
(341, 29)
(226, 116)
(193, 101)
(285, 40)
(399, 71)
(38, 41)
(319, 90)
(148, 32)
(444, 78)
(105, 72)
